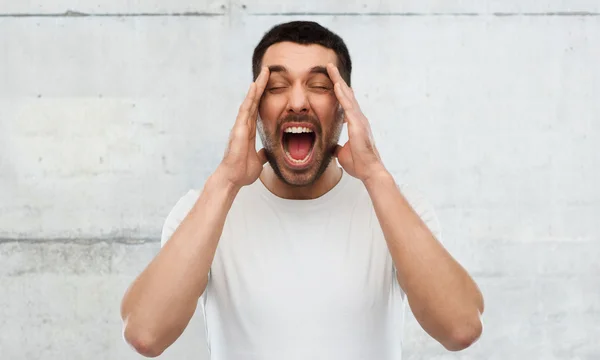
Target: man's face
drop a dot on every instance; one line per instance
(300, 118)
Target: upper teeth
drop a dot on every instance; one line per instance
(297, 130)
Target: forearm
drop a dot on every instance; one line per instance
(443, 297)
(160, 303)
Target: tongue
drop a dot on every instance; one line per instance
(299, 145)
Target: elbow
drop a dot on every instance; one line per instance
(142, 341)
(464, 336)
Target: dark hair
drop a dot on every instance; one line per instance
(304, 33)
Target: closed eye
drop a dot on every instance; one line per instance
(276, 88)
(323, 88)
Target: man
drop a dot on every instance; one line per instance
(301, 259)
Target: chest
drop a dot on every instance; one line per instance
(333, 265)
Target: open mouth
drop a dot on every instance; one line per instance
(298, 143)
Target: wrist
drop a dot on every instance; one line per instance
(219, 180)
(377, 178)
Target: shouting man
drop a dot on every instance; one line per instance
(301, 258)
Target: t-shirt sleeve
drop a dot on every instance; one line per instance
(177, 214)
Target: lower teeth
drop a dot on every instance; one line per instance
(297, 161)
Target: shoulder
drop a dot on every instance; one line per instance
(418, 201)
(177, 213)
(246, 198)
(415, 196)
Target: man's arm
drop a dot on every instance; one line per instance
(444, 299)
(160, 303)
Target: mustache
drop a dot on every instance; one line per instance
(291, 118)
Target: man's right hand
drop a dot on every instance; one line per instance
(242, 164)
(159, 304)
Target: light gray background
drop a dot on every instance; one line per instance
(491, 108)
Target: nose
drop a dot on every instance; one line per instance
(298, 101)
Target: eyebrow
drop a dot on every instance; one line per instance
(314, 70)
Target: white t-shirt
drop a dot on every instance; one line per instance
(303, 279)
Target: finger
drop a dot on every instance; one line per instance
(246, 105)
(343, 99)
(262, 156)
(351, 112)
(345, 96)
(336, 77)
(334, 74)
(261, 84)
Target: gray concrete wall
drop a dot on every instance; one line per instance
(111, 110)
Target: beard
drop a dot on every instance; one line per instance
(324, 145)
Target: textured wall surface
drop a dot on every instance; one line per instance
(111, 110)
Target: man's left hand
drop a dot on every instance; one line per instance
(359, 156)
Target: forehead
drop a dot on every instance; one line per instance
(298, 58)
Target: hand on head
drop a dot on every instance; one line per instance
(242, 164)
(359, 156)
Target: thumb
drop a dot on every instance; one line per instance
(262, 156)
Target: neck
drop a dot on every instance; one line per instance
(320, 187)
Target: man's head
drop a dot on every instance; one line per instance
(300, 118)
